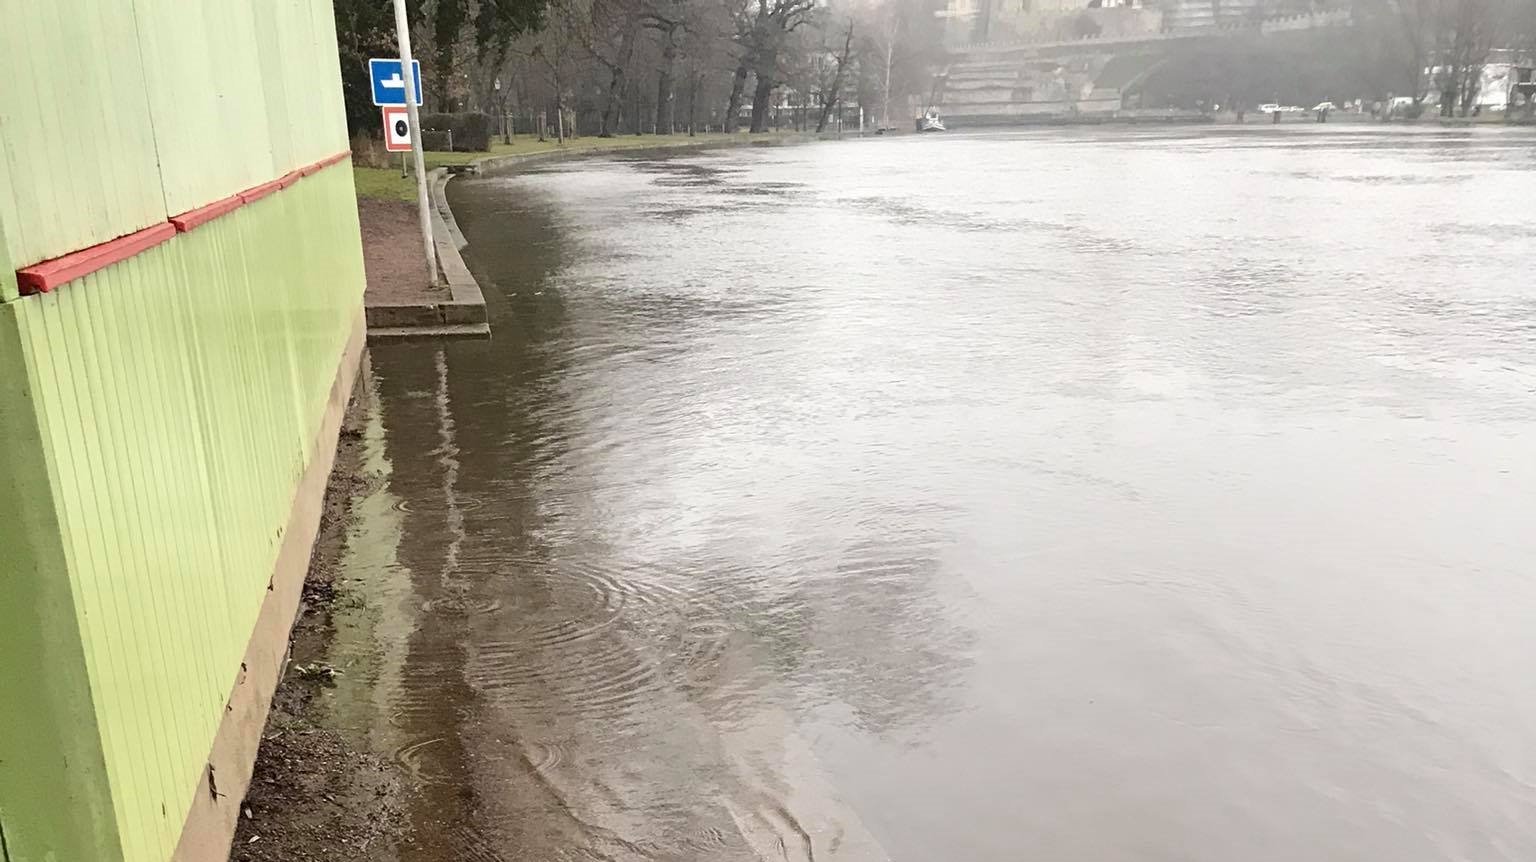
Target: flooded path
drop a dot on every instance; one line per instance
(1151, 496)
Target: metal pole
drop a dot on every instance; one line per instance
(403, 31)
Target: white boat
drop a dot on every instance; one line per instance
(930, 122)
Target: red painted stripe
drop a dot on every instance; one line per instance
(202, 215)
(45, 276)
(256, 193)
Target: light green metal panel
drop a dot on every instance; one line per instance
(333, 109)
(77, 157)
(130, 530)
(181, 391)
(54, 797)
(299, 38)
(158, 413)
(304, 34)
(277, 85)
(205, 98)
(7, 273)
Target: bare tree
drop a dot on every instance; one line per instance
(639, 65)
(773, 23)
(671, 21)
(612, 34)
(1470, 30)
(704, 50)
(744, 40)
(890, 54)
(832, 93)
(552, 51)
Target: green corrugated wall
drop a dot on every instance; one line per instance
(157, 414)
(77, 155)
(118, 113)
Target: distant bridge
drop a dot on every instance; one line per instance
(1267, 26)
(1040, 79)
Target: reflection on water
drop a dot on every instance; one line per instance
(1142, 496)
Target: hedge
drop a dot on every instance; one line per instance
(471, 131)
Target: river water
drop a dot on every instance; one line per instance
(1133, 495)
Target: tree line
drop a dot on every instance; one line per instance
(1442, 46)
(1429, 55)
(609, 67)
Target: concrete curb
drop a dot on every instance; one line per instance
(463, 315)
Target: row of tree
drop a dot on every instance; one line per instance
(1442, 46)
(1427, 52)
(607, 67)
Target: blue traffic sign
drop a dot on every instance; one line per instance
(388, 86)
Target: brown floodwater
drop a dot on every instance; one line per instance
(1143, 495)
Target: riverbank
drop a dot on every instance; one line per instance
(388, 183)
(398, 297)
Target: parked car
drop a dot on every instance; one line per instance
(1325, 106)
(1268, 108)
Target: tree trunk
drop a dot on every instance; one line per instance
(611, 103)
(1471, 82)
(830, 101)
(693, 103)
(760, 98)
(664, 100)
(559, 109)
(733, 105)
(890, 51)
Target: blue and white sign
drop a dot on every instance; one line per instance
(388, 85)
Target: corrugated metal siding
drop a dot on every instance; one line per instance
(306, 123)
(205, 97)
(267, 104)
(157, 413)
(181, 391)
(77, 154)
(8, 289)
(54, 797)
(272, 25)
(118, 113)
(332, 137)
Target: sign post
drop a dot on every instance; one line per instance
(410, 93)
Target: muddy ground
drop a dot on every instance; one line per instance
(313, 797)
(397, 272)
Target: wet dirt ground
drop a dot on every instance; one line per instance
(314, 796)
